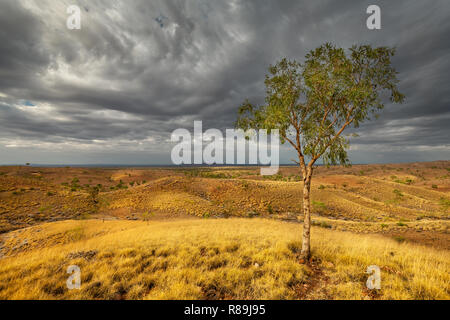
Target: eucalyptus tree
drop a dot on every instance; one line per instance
(313, 103)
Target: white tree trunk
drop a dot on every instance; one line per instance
(306, 239)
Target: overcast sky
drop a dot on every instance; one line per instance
(114, 91)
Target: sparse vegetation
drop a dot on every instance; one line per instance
(242, 259)
(412, 214)
(445, 203)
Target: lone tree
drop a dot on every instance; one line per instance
(311, 104)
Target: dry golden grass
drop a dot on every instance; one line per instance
(231, 258)
(212, 259)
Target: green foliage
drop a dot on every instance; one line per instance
(407, 181)
(311, 104)
(206, 215)
(445, 203)
(321, 224)
(206, 174)
(399, 239)
(319, 204)
(147, 214)
(121, 185)
(93, 194)
(44, 209)
(275, 177)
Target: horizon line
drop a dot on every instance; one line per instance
(191, 165)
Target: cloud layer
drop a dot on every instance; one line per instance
(113, 91)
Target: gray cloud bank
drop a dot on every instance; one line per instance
(113, 91)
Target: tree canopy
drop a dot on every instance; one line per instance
(311, 104)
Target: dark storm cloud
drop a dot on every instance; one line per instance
(139, 69)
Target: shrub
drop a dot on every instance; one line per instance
(319, 204)
(322, 224)
(445, 203)
(295, 247)
(206, 215)
(147, 214)
(434, 186)
(399, 239)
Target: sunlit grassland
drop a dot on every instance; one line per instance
(212, 259)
